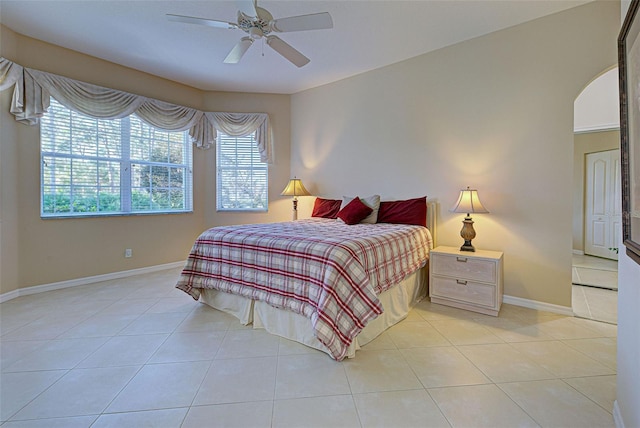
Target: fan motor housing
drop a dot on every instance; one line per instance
(258, 26)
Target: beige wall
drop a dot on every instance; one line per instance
(9, 243)
(36, 251)
(584, 143)
(495, 113)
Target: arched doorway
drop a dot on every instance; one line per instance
(596, 175)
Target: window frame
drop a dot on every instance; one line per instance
(125, 159)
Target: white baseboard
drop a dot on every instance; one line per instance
(540, 306)
(84, 281)
(10, 295)
(518, 301)
(617, 417)
(578, 252)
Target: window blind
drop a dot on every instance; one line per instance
(242, 178)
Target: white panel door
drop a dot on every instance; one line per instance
(603, 217)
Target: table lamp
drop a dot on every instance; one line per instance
(295, 188)
(468, 202)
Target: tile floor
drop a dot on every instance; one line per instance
(136, 352)
(599, 299)
(595, 271)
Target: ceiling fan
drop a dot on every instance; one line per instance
(258, 23)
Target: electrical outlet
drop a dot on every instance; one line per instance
(128, 253)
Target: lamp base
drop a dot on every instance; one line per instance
(294, 215)
(467, 233)
(467, 246)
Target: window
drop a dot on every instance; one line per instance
(242, 182)
(95, 167)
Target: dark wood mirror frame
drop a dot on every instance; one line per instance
(629, 69)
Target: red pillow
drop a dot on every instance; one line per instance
(410, 211)
(326, 208)
(354, 212)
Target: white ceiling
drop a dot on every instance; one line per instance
(366, 35)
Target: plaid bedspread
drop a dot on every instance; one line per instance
(322, 269)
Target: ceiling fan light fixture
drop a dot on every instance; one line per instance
(255, 33)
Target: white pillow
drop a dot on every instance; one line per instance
(372, 202)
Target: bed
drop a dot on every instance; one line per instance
(319, 282)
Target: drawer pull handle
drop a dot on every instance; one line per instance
(461, 282)
(461, 259)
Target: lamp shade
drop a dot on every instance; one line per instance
(468, 202)
(295, 188)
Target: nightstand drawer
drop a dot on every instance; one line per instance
(463, 267)
(463, 291)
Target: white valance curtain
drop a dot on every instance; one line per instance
(33, 89)
(238, 124)
(10, 72)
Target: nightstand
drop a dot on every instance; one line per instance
(466, 280)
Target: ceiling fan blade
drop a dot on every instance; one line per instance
(287, 51)
(201, 21)
(315, 21)
(238, 50)
(248, 7)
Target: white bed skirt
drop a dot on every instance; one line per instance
(397, 302)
